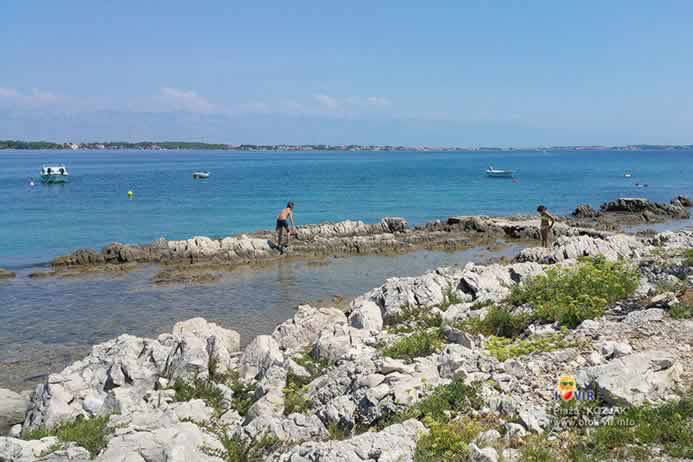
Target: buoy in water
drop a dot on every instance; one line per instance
(130, 194)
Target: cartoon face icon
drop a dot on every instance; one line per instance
(566, 387)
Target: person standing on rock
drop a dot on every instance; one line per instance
(546, 229)
(286, 215)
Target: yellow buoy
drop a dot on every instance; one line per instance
(129, 193)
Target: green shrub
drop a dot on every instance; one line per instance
(337, 432)
(243, 394)
(499, 321)
(238, 449)
(295, 399)
(681, 311)
(315, 367)
(420, 343)
(206, 389)
(504, 348)
(572, 295)
(446, 442)
(91, 434)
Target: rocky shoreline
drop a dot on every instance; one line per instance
(393, 378)
(185, 260)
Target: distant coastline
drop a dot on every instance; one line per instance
(182, 145)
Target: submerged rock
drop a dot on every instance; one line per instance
(4, 274)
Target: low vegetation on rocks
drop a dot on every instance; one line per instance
(447, 441)
(570, 295)
(440, 404)
(505, 348)
(420, 343)
(445, 412)
(410, 319)
(208, 390)
(427, 381)
(91, 434)
(239, 449)
(652, 431)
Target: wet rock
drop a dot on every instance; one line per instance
(395, 224)
(13, 406)
(646, 208)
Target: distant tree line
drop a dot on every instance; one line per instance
(13, 144)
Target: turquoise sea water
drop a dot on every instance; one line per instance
(246, 190)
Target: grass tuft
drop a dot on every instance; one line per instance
(504, 348)
(295, 398)
(499, 321)
(681, 311)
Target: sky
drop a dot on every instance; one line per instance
(443, 73)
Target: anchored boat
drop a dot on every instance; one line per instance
(495, 173)
(200, 175)
(51, 174)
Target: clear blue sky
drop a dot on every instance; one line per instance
(509, 73)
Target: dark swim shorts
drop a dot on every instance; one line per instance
(282, 224)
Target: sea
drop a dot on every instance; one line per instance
(47, 323)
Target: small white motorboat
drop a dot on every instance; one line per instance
(200, 175)
(51, 174)
(495, 173)
(627, 175)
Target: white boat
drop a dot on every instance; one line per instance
(627, 174)
(495, 173)
(51, 174)
(200, 175)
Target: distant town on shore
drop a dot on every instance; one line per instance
(176, 145)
